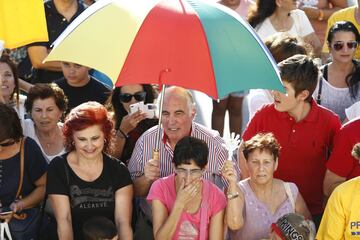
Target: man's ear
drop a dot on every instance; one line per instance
(304, 94)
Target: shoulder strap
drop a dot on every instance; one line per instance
(324, 70)
(204, 215)
(289, 194)
(21, 177)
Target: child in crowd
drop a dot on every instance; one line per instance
(99, 228)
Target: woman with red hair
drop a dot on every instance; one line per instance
(86, 182)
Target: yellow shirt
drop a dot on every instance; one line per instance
(341, 219)
(346, 14)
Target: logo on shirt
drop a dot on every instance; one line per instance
(90, 197)
(355, 228)
(288, 230)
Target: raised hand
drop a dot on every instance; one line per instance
(231, 144)
(228, 172)
(187, 193)
(130, 121)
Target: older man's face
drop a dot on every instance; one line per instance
(177, 117)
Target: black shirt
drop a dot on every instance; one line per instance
(92, 91)
(87, 199)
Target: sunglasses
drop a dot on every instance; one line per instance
(337, 46)
(8, 143)
(126, 97)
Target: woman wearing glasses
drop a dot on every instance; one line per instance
(185, 206)
(129, 127)
(339, 87)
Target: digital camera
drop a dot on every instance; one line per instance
(149, 109)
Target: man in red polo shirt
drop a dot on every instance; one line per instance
(304, 130)
(342, 165)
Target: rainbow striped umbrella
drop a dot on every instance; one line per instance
(189, 43)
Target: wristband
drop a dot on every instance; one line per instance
(232, 195)
(124, 135)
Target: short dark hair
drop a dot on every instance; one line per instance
(10, 126)
(355, 152)
(342, 26)
(99, 228)
(263, 142)
(44, 91)
(190, 148)
(301, 72)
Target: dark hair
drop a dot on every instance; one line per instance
(263, 142)
(301, 72)
(263, 9)
(190, 148)
(6, 59)
(10, 126)
(98, 228)
(284, 46)
(118, 108)
(86, 115)
(44, 91)
(353, 78)
(355, 152)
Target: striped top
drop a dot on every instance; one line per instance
(217, 154)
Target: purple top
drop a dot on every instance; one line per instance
(257, 217)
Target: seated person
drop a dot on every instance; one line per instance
(258, 201)
(80, 87)
(185, 205)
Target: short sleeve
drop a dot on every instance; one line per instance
(156, 191)
(35, 163)
(120, 174)
(333, 221)
(252, 127)
(303, 23)
(57, 182)
(341, 161)
(294, 190)
(218, 200)
(136, 162)
(353, 111)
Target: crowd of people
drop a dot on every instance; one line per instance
(77, 161)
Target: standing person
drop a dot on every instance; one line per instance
(339, 88)
(282, 16)
(187, 206)
(46, 104)
(177, 121)
(319, 11)
(34, 172)
(304, 130)
(351, 14)
(10, 89)
(59, 14)
(342, 166)
(129, 127)
(80, 87)
(257, 202)
(86, 182)
(341, 216)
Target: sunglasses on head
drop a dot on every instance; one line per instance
(337, 46)
(8, 143)
(126, 97)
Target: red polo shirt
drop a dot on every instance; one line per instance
(341, 162)
(304, 145)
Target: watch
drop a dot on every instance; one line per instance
(232, 195)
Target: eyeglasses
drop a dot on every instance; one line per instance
(8, 143)
(337, 46)
(126, 97)
(191, 172)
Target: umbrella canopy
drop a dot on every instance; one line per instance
(22, 22)
(190, 43)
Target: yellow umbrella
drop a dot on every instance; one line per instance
(22, 22)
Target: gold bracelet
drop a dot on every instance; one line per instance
(230, 196)
(321, 15)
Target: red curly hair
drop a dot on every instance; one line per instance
(86, 115)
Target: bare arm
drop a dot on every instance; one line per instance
(37, 54)
(61, 207)
(314, 13)
(151, 173)
(25, 86)
(216, 229)
(164, 225)
(331, 181)
(123, 212)
(34, 198)
(301, 208)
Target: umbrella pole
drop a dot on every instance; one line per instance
(157, 143)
